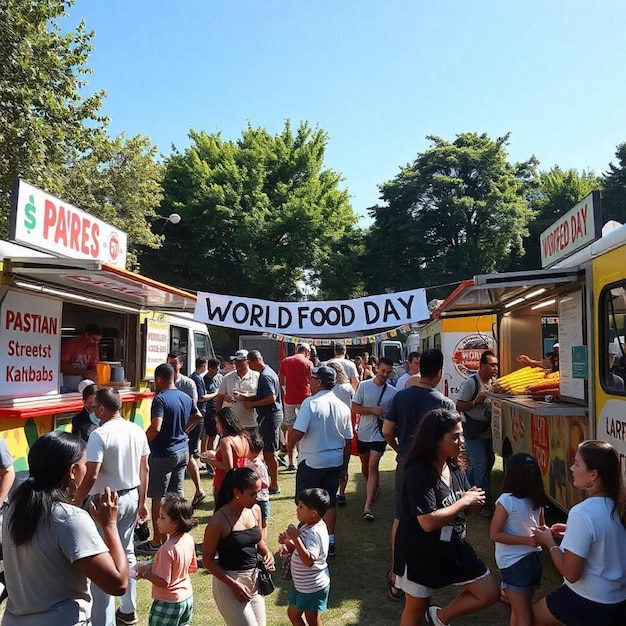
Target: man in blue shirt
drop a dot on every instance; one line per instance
(169, 453)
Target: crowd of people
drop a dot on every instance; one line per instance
(73, 520)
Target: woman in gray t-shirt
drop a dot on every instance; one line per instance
(52, 547)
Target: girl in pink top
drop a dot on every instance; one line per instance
(169, 574)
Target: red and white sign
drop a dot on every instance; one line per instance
(468, 351)
(46, 223)
(30, 345)
(573, 231)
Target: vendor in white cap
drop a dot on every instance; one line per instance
(237, 387)
(551, 362)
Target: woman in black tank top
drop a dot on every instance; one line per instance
(232, 541)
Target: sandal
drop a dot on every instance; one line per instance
(368, 515)
(393, 593)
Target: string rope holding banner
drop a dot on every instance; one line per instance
(348, 341)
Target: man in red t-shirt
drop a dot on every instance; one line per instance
(80, 355)
(294, 376)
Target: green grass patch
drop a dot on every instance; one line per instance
(358, 585)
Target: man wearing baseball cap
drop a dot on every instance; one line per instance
(323, 432)
(237, 387)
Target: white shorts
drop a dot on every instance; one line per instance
(421, 591)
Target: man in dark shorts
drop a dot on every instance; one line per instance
(169, 453)
(212, 380)
(406, 411)
(269, 409)
(372, 401)
(323, 432)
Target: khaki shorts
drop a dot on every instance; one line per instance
(290, 414)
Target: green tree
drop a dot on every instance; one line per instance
(457, 210)
(121, 183)
(614, 196)
(261, 216)
(46, 119)
(553, 194)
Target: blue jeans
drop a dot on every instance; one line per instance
(103, 610)
(482, 458)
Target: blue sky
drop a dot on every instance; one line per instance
(377, 75)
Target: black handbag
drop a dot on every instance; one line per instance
(265, 584)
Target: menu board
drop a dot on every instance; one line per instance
(157, 345)
(30, 345)
(570, 336)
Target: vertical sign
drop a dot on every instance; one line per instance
(157, 345)
(570, 336)
(30, 345)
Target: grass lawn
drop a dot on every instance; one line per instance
(358, 586)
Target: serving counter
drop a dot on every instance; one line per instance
(550, 432)
(23, 420)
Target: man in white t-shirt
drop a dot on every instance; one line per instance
(347, 365)
(414, 370)
(323, 432)
(117, 457)
(372, 401)
(237, 387)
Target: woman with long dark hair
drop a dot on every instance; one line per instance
(234, 534)
(591, 557)
(431, 550)
(52, 547)
(233, 449)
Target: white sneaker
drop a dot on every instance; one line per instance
(431, 616)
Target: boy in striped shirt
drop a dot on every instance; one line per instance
(308, 545)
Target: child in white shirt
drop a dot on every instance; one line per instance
(308, 545)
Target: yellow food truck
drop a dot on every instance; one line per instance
(578, 301)
(50, 293)
(462, 339)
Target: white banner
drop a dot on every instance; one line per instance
(30, 345)
(312, 318)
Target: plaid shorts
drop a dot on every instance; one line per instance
(171, 613)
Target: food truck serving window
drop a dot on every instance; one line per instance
(612, 352)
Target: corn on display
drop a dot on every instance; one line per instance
(519, 381)
(549, 386)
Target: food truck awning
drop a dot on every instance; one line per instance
(95, 282)
(490, 293)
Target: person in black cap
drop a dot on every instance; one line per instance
(323, 432)
(80, 354)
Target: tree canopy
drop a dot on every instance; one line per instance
(458, 210)
(614, 196)
(120, 183)
(553, 194)
(261, 216)
(52, 133)
(46, 120)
